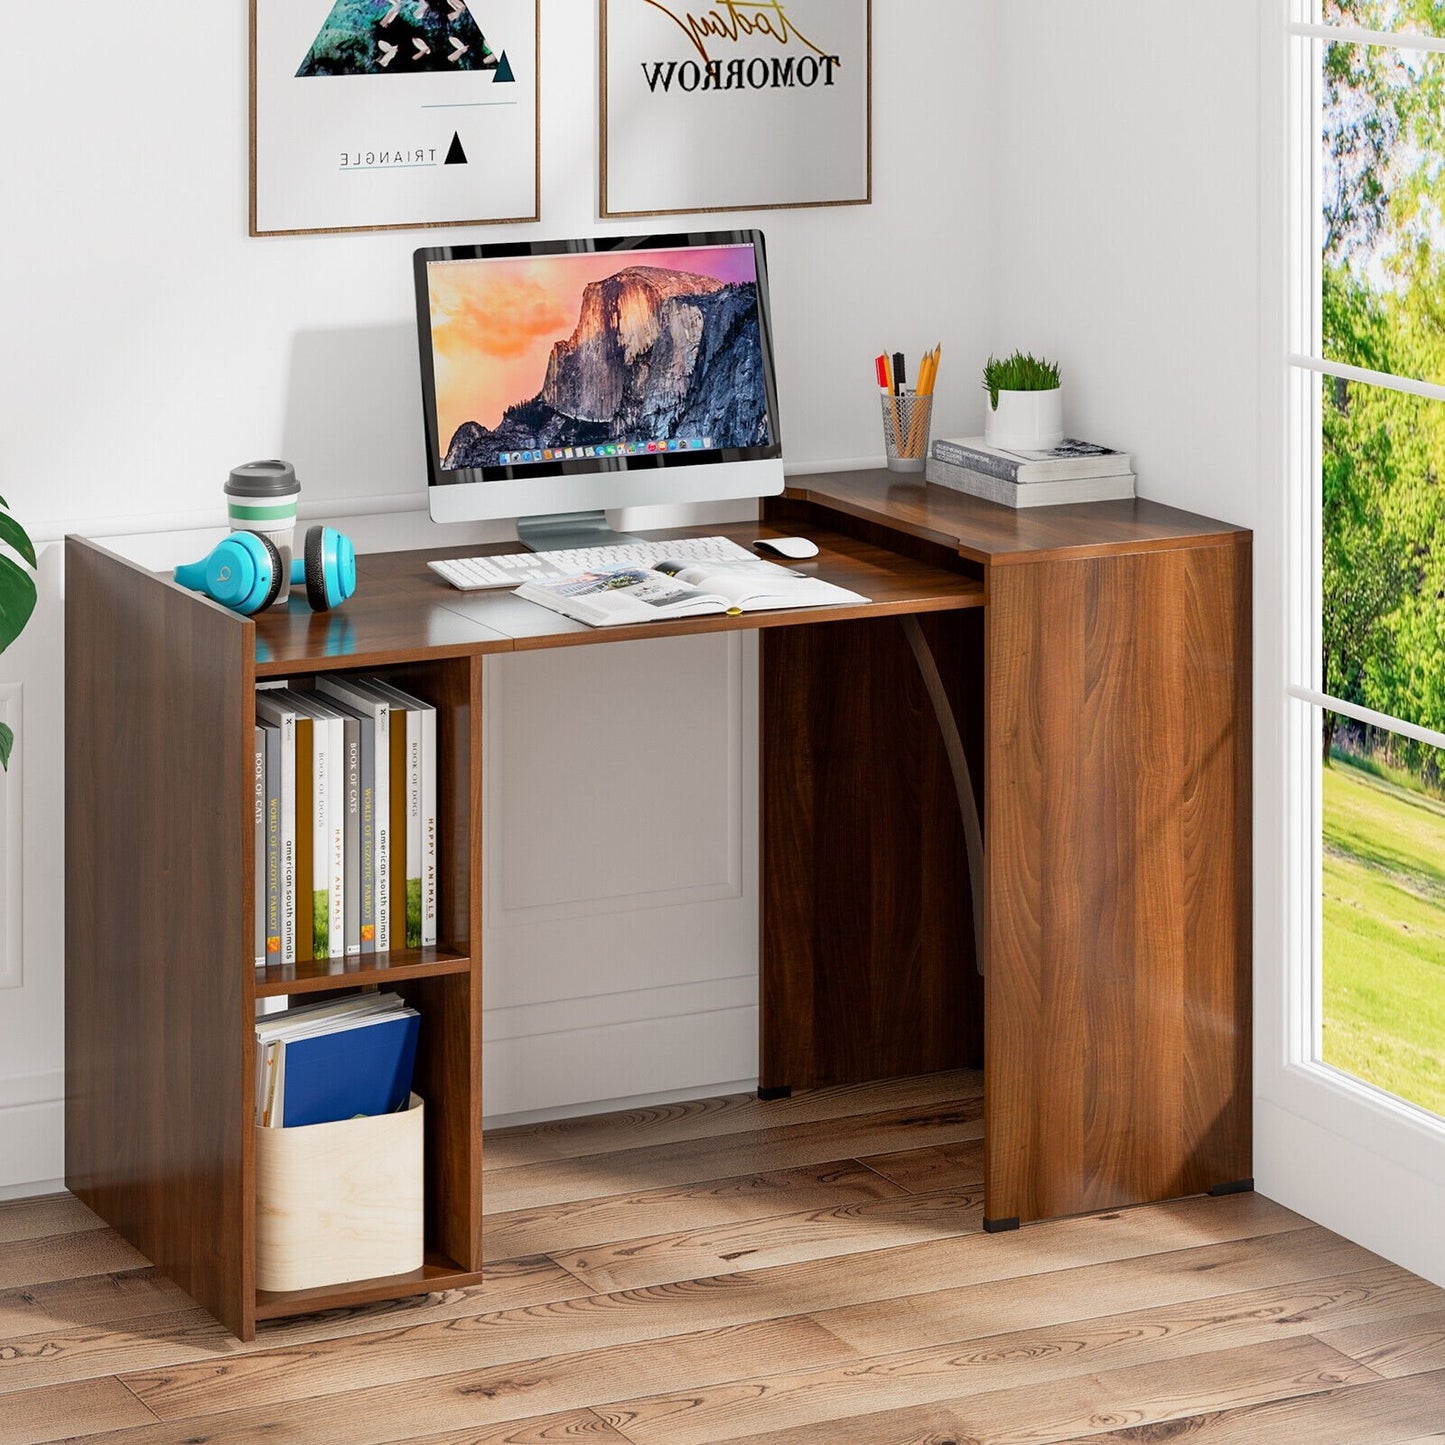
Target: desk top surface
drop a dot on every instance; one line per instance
(402, 608)
(986, 532)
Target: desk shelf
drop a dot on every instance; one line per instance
(437, 1273)
(380, 970)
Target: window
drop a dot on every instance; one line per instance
(1367, 660)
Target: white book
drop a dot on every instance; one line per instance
(266, 1065)
(329, 822)
(1071, 460)
(1032, 494)
(272, 735)
(301, 1018)
(375, 710)
(258, 884)
(429, 842)
(421, 814)
(276, 707)
(360, 830)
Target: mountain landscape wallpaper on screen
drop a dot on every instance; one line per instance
(654, 352)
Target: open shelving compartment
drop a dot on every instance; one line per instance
(443, 984)
(160, 971)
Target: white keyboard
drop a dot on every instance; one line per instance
(511, 569)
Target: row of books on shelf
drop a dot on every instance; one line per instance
(345, 820)
(324, 1062)
(1074, 471)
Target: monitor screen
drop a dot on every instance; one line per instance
(608, 372)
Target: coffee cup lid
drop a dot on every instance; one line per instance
(273, 478)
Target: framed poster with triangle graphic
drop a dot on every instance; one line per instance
(376, 114)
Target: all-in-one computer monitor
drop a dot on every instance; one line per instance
(564, 377)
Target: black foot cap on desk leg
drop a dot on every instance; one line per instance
(778, 1091)
(1001, 1226)
(1238, 1186)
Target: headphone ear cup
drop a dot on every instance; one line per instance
(273, 555)
(243, 572)
(316, 570)
(329, 567)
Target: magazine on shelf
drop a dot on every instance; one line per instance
(320, 1063)
(669, 590)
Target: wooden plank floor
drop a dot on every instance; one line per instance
(805, 1272)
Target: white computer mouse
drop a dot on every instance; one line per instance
(795, 547)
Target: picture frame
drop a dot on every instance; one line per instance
(694, 98)
(373, 115)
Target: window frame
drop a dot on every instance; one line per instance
(1362, 1112)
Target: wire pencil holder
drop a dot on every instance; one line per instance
(905, 430)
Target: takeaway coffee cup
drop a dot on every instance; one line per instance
(261, 497)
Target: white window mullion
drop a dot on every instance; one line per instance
(1369, 716)
(1347, 35)
(1429, 389)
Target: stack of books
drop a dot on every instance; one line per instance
(346, 820)
(1073, 471)
(320, 1063)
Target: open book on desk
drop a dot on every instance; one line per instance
(669, 590)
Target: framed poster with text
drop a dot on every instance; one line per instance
(728, 105)
(374, 114)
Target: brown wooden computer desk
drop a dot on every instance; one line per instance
(1092, 666)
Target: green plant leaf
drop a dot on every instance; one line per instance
(17, 600)
(7, 743)
(11, 531)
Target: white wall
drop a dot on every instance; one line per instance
(1092, 188)
(1129, 162)
(1142, 188)
(149, 345)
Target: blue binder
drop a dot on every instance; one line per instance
(361, 1070)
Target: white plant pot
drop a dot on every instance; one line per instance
(1025, 421)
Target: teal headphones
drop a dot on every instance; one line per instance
(244, 571)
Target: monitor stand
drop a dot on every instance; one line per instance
(566, 530)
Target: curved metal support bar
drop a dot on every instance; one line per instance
(958, 765)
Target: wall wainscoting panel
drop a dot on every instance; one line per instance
(621, 893)
(611, 1010)
(32, 1130)
(584, 1069)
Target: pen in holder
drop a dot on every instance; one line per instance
(905, 430)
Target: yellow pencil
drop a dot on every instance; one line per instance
(917, 428)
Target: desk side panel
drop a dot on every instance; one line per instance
(1118, 835)
(158, 728)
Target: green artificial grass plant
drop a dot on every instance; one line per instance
(1020, 372)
